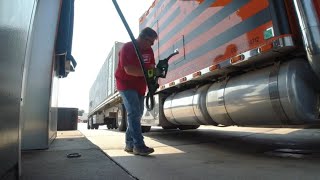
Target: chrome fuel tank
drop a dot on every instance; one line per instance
(277, 95)
(286, 94)
(188, 107)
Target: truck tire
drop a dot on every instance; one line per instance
(188, 127)
(88, 125)
(122, 118)
(145, 129)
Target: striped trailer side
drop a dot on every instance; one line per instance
(215, 35)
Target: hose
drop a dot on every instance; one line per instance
(149, 98)
(149, 85)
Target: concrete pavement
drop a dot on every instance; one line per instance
(206, 153)
(217, 153)
(54, 163)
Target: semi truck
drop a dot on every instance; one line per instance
(252, 63)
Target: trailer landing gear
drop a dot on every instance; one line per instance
(111, 123)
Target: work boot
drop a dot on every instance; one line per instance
(128, 149)
(142, 151)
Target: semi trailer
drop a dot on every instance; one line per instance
(249, 63)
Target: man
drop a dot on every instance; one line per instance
(132, 87)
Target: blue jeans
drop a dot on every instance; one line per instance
(134, 105)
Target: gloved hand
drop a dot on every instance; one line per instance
(154, 72)
(158, 72)
(152, 79)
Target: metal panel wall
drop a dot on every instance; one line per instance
(53, 111)
(37, 130)
(16, 18)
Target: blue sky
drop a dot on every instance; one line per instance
(96, 27)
